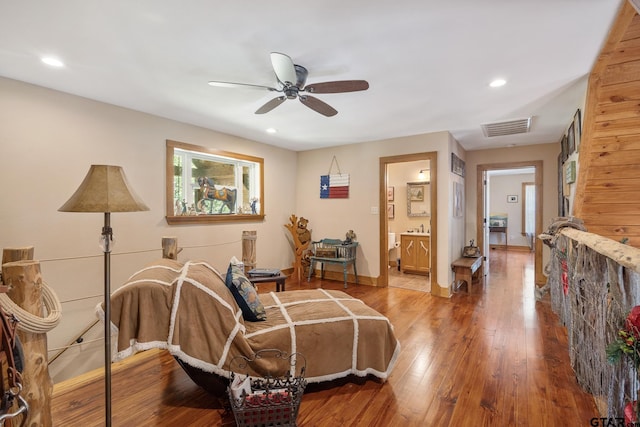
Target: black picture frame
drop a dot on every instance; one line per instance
(457, 165)
(560, 186)
(577, 123)
(564, 148)
(571, 139)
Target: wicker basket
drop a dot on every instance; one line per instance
(326, 252)
(274, 400)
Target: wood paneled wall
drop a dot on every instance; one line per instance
(608, 193)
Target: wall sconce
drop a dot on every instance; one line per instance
(421, 174)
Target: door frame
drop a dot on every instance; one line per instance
(432, 157)
(540, 279)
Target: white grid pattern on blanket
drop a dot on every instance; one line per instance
(240, 329)
(290, 324)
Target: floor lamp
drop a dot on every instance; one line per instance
(105, 189)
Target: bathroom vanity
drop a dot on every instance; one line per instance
(415, 252)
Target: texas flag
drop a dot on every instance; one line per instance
(334, 186)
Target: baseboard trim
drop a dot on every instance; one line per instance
(339, 277)
(436, 290)
(510, 248)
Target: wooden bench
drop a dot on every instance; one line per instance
(465, 269)
(333, 251)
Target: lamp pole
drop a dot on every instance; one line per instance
(107, 235)
(105, 189)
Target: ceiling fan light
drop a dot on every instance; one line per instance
(287, 73)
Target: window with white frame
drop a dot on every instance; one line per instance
(208, 183)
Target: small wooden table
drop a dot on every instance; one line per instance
(465, 268)
(502, 230)
(279, 279)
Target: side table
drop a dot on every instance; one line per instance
(501, 230)
(279, 279)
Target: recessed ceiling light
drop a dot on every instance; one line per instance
(54, 62)
(498, 83)
(271, 130)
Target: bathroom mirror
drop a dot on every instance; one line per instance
(418, 198)
(206, 185)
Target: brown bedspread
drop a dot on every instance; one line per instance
(188, 310)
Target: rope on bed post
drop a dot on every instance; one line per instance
(24, 279)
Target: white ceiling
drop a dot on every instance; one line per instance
(428, 62)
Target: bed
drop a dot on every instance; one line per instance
(187, 309)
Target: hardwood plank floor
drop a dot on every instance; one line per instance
(492, 357)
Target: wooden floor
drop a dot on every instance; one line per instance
(493, 357)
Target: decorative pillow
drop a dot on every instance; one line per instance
(245, 294)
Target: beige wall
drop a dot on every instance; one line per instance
(49, 139)
(361, 211)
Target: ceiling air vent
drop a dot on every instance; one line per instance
(510, 127)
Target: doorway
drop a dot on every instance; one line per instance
(484, 215)
(385, 203)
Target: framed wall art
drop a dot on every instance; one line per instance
(458, 200)
(577, 125)
(560, 186)
(571, 139)
(457, 165)
(418, 198)
(570, 173)
(390, 193)
(564, 148)
(416, 192)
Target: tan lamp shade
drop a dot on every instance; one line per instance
(104, 189)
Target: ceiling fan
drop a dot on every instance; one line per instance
(292, 79)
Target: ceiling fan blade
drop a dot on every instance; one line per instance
(338, 87)
(317, 105)
(230, 84)
(283, 67)
(271, 105)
